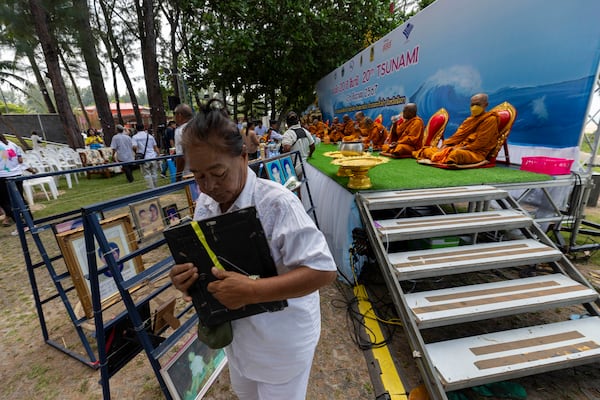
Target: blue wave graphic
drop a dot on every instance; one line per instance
(549, 115)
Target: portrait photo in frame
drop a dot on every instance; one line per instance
(121, 239)
(275, 171)
(147, 217)
(287, 165)
(171, 214)
(191, 371)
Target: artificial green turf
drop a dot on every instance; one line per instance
(408, 174)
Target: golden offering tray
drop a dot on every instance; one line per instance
(359, 167)
(343, 171)
(334, 154)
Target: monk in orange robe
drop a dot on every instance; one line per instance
(406, 135)
(312, 128)
(376, 134)
(336, 131)
(472, 141)
(359, 125)
(350, 133)
(319, 128)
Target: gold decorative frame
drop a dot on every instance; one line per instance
(119, 233)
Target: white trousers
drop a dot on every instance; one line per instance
(150, 173)
(247, 389)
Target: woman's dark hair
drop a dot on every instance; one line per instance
(212, 122)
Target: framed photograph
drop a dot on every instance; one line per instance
(147, 217)
(275, 171)
(121, 239)
(171, 214)
(287, 165)
(193, 369)
(192, 191)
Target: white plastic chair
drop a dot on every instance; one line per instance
(30, 184)
(58, 163)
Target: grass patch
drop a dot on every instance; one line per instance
(84, 386)
(38, 372)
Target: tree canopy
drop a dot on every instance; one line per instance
(262, 57)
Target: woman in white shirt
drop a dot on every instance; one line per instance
(271, 353)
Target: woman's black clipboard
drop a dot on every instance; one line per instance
(238, 241)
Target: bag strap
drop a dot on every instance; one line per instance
(300, 134)
(146, 146)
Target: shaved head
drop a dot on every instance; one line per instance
(480, 99)
(410, 111)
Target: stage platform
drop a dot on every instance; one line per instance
(542, 195)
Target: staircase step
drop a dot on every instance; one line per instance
(499, 356)
(489, 300)
(457, 260)
(451, 224)
(435, 196)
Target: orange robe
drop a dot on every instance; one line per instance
(377, 135)
(320, 129)
(408, 136)
(361, 129)
(336, 133)
(470, 144)
(350, 134)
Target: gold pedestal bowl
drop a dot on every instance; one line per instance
(342, 171)
(359, 166)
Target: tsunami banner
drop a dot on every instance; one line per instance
(535, 54)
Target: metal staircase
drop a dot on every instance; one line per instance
(458, 285)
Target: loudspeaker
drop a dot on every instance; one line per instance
(174, 101)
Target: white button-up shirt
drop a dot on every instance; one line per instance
(275, 347)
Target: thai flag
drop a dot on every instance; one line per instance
(408, 29)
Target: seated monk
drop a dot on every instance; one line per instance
(472, 141)
(359, 124)
(376, 134)
(320, 128)
(350, 133)
(336, 131)
(406, 135)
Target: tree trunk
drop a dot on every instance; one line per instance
(77, 94)
(113, 69)
(119, 60)
(148, 40)
(273, 110)
(88, 50)
(40, 81)
(50, 48)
